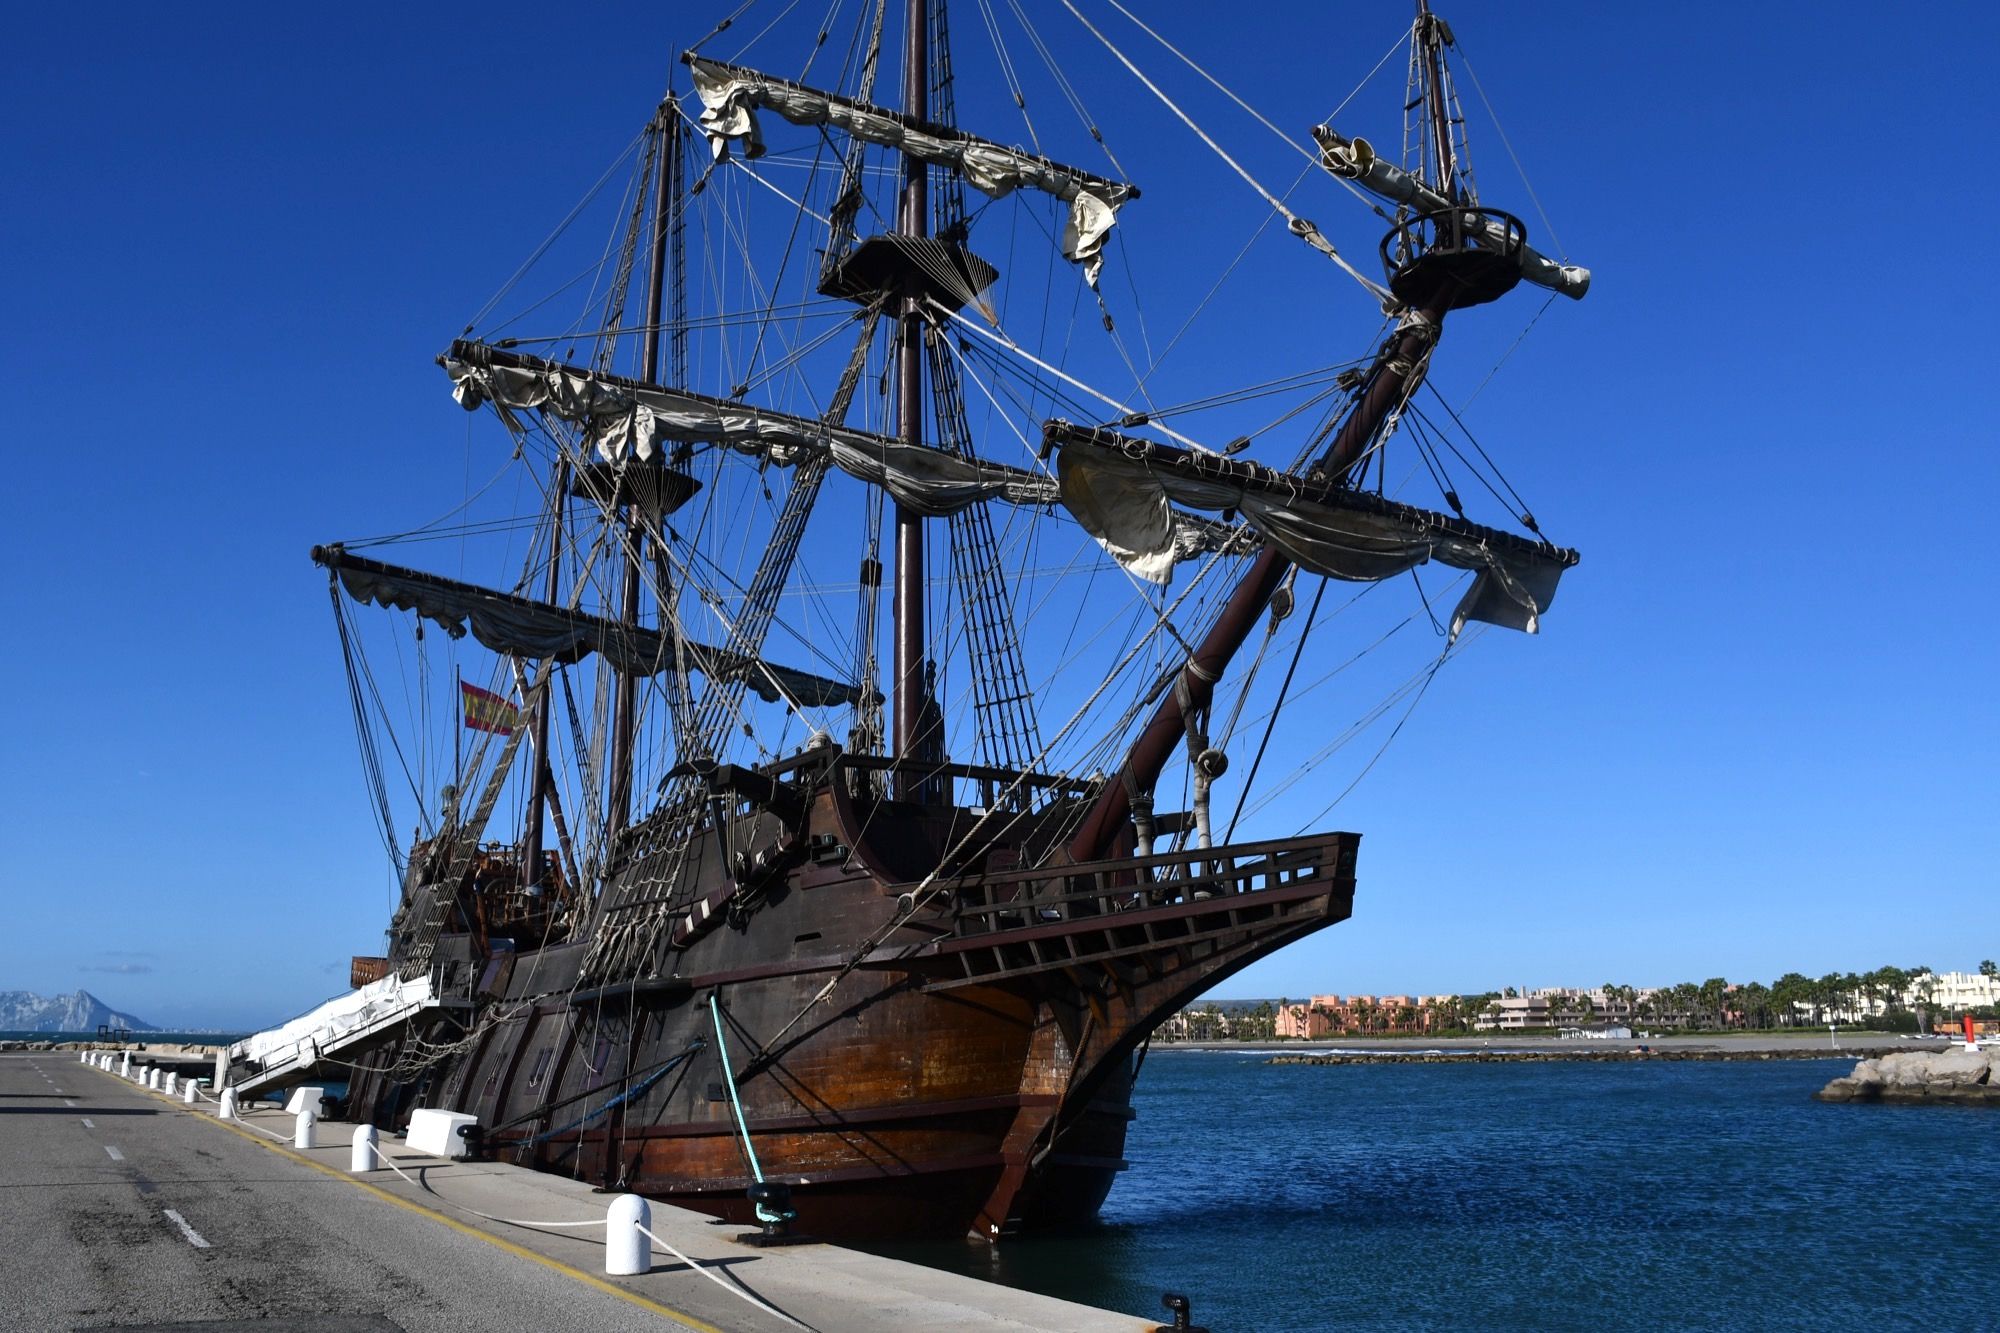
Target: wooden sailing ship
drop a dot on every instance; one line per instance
(855, 977)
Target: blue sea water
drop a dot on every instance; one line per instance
(1684, 1195)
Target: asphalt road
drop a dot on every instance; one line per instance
(116, 1212)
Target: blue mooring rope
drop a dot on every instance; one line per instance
(764, 1214)
(619, 1100)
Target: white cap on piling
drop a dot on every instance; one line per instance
(627, 1251)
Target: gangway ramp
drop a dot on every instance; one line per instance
(341, 1029)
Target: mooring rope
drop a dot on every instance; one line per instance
(729, 1287)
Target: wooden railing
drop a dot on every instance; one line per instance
(1010, 900)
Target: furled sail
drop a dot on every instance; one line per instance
(732, 94)
(1355, 160)
(523, 627)
(624, 418)
(631, 418)
(1120, 489)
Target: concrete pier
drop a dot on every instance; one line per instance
(130, 1208)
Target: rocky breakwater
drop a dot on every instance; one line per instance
(1955, 1075)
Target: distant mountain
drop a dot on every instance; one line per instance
(25, 1011)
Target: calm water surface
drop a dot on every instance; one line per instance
(1688, 1195)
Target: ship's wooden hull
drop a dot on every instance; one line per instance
(969, 1072)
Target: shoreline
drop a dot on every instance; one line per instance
(1542, 1049)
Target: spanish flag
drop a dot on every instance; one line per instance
(487, 711)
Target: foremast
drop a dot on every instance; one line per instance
(1452, 255)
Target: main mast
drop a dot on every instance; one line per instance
(624, 708)
(912, 736)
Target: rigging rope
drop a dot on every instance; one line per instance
(553, 236)
(1303, 228)
(926, 887)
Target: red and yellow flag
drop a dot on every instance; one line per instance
(487, 711)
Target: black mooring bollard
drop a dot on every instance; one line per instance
(772, 1201)
(1178, 1304)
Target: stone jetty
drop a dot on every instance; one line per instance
(1955, 1075)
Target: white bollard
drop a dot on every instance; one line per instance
(226, 1109)
(125, 1067)
(168, 1084)
(305, 1130)
(366, 1156)
(627, 1252)
(187, 1094)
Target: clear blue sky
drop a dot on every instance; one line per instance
(1758, 734)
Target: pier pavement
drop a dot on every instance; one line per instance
(127, 1209)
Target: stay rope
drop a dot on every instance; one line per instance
(1303, 228)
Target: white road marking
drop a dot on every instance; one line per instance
(88, 1123)
(70, 1104)
(116, 1156)
(193, 1236)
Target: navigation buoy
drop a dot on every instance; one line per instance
(366, 1156)
(627, 1252)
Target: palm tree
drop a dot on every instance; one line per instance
(1757, 1000)
(1925, 981)
(1788, 993)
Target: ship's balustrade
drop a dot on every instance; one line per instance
(1013, 923)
